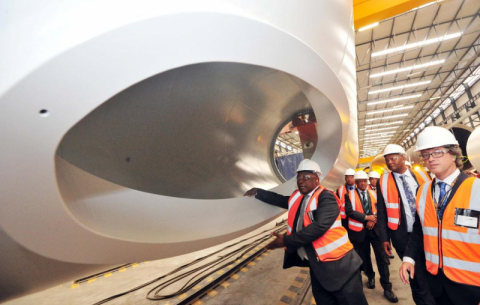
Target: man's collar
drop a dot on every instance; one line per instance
(450, 178)
(406, 173)
(311, 193)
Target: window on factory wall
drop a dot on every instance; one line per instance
(295, 141)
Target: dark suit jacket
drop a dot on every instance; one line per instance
(399, 237)
(331, 275)
(358, 216)
(415, 246)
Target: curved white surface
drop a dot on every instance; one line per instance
(69, 58)
(473, 148)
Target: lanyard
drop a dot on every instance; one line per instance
(442, 200)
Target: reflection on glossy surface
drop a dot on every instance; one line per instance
(205, 126)
(378, 164)
(473, 148)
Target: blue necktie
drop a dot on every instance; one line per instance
(365, 204)
(409, 195)
(441, 208)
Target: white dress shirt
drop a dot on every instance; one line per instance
(301, 251)
(413, 186)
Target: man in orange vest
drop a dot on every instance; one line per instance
(342, 191)
(361, 209)
(446, 227)
(396, 213)
(316, 238)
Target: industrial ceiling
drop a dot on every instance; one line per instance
(412, 65)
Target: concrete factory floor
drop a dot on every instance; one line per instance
(260, 282)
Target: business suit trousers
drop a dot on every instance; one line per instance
(419, 284)
(447, 292)
(350, 294)
(363, 250)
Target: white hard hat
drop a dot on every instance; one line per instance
(349, 172)
(373, 174)
(394, 149)
(310, 166)
(435, 136)
(408, 163)
(360, 175)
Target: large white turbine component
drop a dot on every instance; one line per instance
(473, 148)
(130, 131)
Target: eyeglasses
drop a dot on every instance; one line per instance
(305, 177)
(394, 159)
(435, 154)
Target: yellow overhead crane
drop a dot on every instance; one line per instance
(367, 12)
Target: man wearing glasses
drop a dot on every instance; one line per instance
(396, 214)
(446, 226)
(316, 238)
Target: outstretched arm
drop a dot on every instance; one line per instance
(269, 197)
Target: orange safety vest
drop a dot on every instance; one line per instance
(342, 190)
(354, 225)
(392, 200)
(421, 175)
(392, 197)
(331, 246)
(452, 247)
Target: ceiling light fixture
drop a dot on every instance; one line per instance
(368, 27)
(378, 138)
(384, 124)
(391, 109)
(384, 132)
(378, 129)
(387, 117)
(394, 99)
(401, 87)
(376, 142)
(367, 137)
(432, 63)
(417, 44)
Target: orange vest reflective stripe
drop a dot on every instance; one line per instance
(392, 197)
(354, 225)
(392, 200)
(342, 190)
(421, 175)
(454, 248)
(331, 246)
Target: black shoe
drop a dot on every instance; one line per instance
(371, 283)
(390, 296)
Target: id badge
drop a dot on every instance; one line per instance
(467, 218)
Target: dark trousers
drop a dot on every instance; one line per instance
(451, 293)
(363, 250)
(350, 294)
(419, 284)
